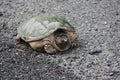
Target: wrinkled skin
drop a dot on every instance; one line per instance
(60, 40)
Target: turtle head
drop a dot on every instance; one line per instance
(62, 41)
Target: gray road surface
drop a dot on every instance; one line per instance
(97, 24)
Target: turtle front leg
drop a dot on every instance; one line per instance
(49, 48)
(75, 43)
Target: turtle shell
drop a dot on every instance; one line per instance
(41, 26)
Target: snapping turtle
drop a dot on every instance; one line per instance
(48, 34)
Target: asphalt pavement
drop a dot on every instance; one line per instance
(97, 24)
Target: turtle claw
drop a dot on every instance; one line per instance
(75, 43)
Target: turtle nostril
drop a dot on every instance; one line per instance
(64, 38)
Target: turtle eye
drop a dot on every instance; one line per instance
(58, 40)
